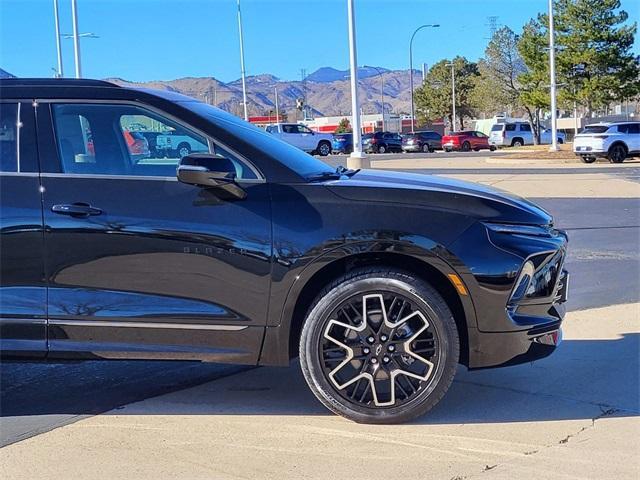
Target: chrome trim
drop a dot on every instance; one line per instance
(18, 132)
(178, 326)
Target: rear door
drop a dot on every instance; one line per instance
(23, 295)
(140, 265)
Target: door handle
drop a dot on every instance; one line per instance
(78, 209)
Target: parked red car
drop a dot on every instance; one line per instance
(466, 141)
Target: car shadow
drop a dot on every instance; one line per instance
(583, 380)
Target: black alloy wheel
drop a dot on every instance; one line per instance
(617, 153)
(324, 149)
(379, 346)
(466, 146)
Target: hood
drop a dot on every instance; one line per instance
(467, 198)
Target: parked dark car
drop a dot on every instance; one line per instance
(466, 141)
(255, 252)
(382, 142)
(342, 143)
(426, 141)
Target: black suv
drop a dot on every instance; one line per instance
(426, 141)
(382, 142)
(248, 250)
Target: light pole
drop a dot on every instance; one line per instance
(413, 115)
(381, 90)
(275, 91)
(453, 95)
(244, 86)
(60, 72)
(76, 38)
(357, 159)
(552, 72)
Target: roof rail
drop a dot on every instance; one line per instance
(56, 82)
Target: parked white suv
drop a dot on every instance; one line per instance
(302, 137)
(517, 134)
(615, 141)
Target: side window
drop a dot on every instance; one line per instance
(304, 129)
(289, 129)
(127, 140)
(634, 128)
(9, 137)
(623, 128)
(510, 127)
(525, 127)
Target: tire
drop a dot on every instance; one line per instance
(492, 148)
(617, 153)
(587, 159)
(517, 142)
(324, 149)
(183, 150)
(425, 148)
(560, 141)
(466, 146)
(425, 319)
(382, 149)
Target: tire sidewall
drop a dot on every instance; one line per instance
(314, 329)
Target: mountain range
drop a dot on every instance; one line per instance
(327, 91)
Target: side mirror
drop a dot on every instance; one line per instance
(210, 171)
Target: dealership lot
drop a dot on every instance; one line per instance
(560, 417)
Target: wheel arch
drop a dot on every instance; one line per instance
(280, 343)
(617, 143)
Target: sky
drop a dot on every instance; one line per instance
(166, 39)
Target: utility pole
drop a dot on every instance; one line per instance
(76, 38)
(357, 159)
(552, 72)
(60, 72)
(453, 95)
(244, 85)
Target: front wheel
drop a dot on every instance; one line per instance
(379, 346)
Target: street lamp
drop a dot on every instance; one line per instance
(453, 94)
(552, 73)
(381, 90)
(413, 116)
(244, 86)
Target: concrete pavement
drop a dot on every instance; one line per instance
(572, 415)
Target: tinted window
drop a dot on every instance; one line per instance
(497, 127)
(510, 127)
(629, 128)
(525, 127)
(595, 129)
(108, 139)
(9, 137)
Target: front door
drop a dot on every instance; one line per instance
(140, 265)
(23, 296)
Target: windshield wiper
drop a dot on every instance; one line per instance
(349, 172)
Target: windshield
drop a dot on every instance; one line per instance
(595, 129)
(292, 157)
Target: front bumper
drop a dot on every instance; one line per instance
(411, 148)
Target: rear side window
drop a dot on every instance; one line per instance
(629, 128)
(525, 127)
(510, 127)
(9, 137)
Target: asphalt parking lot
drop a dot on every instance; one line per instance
(572, 415)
